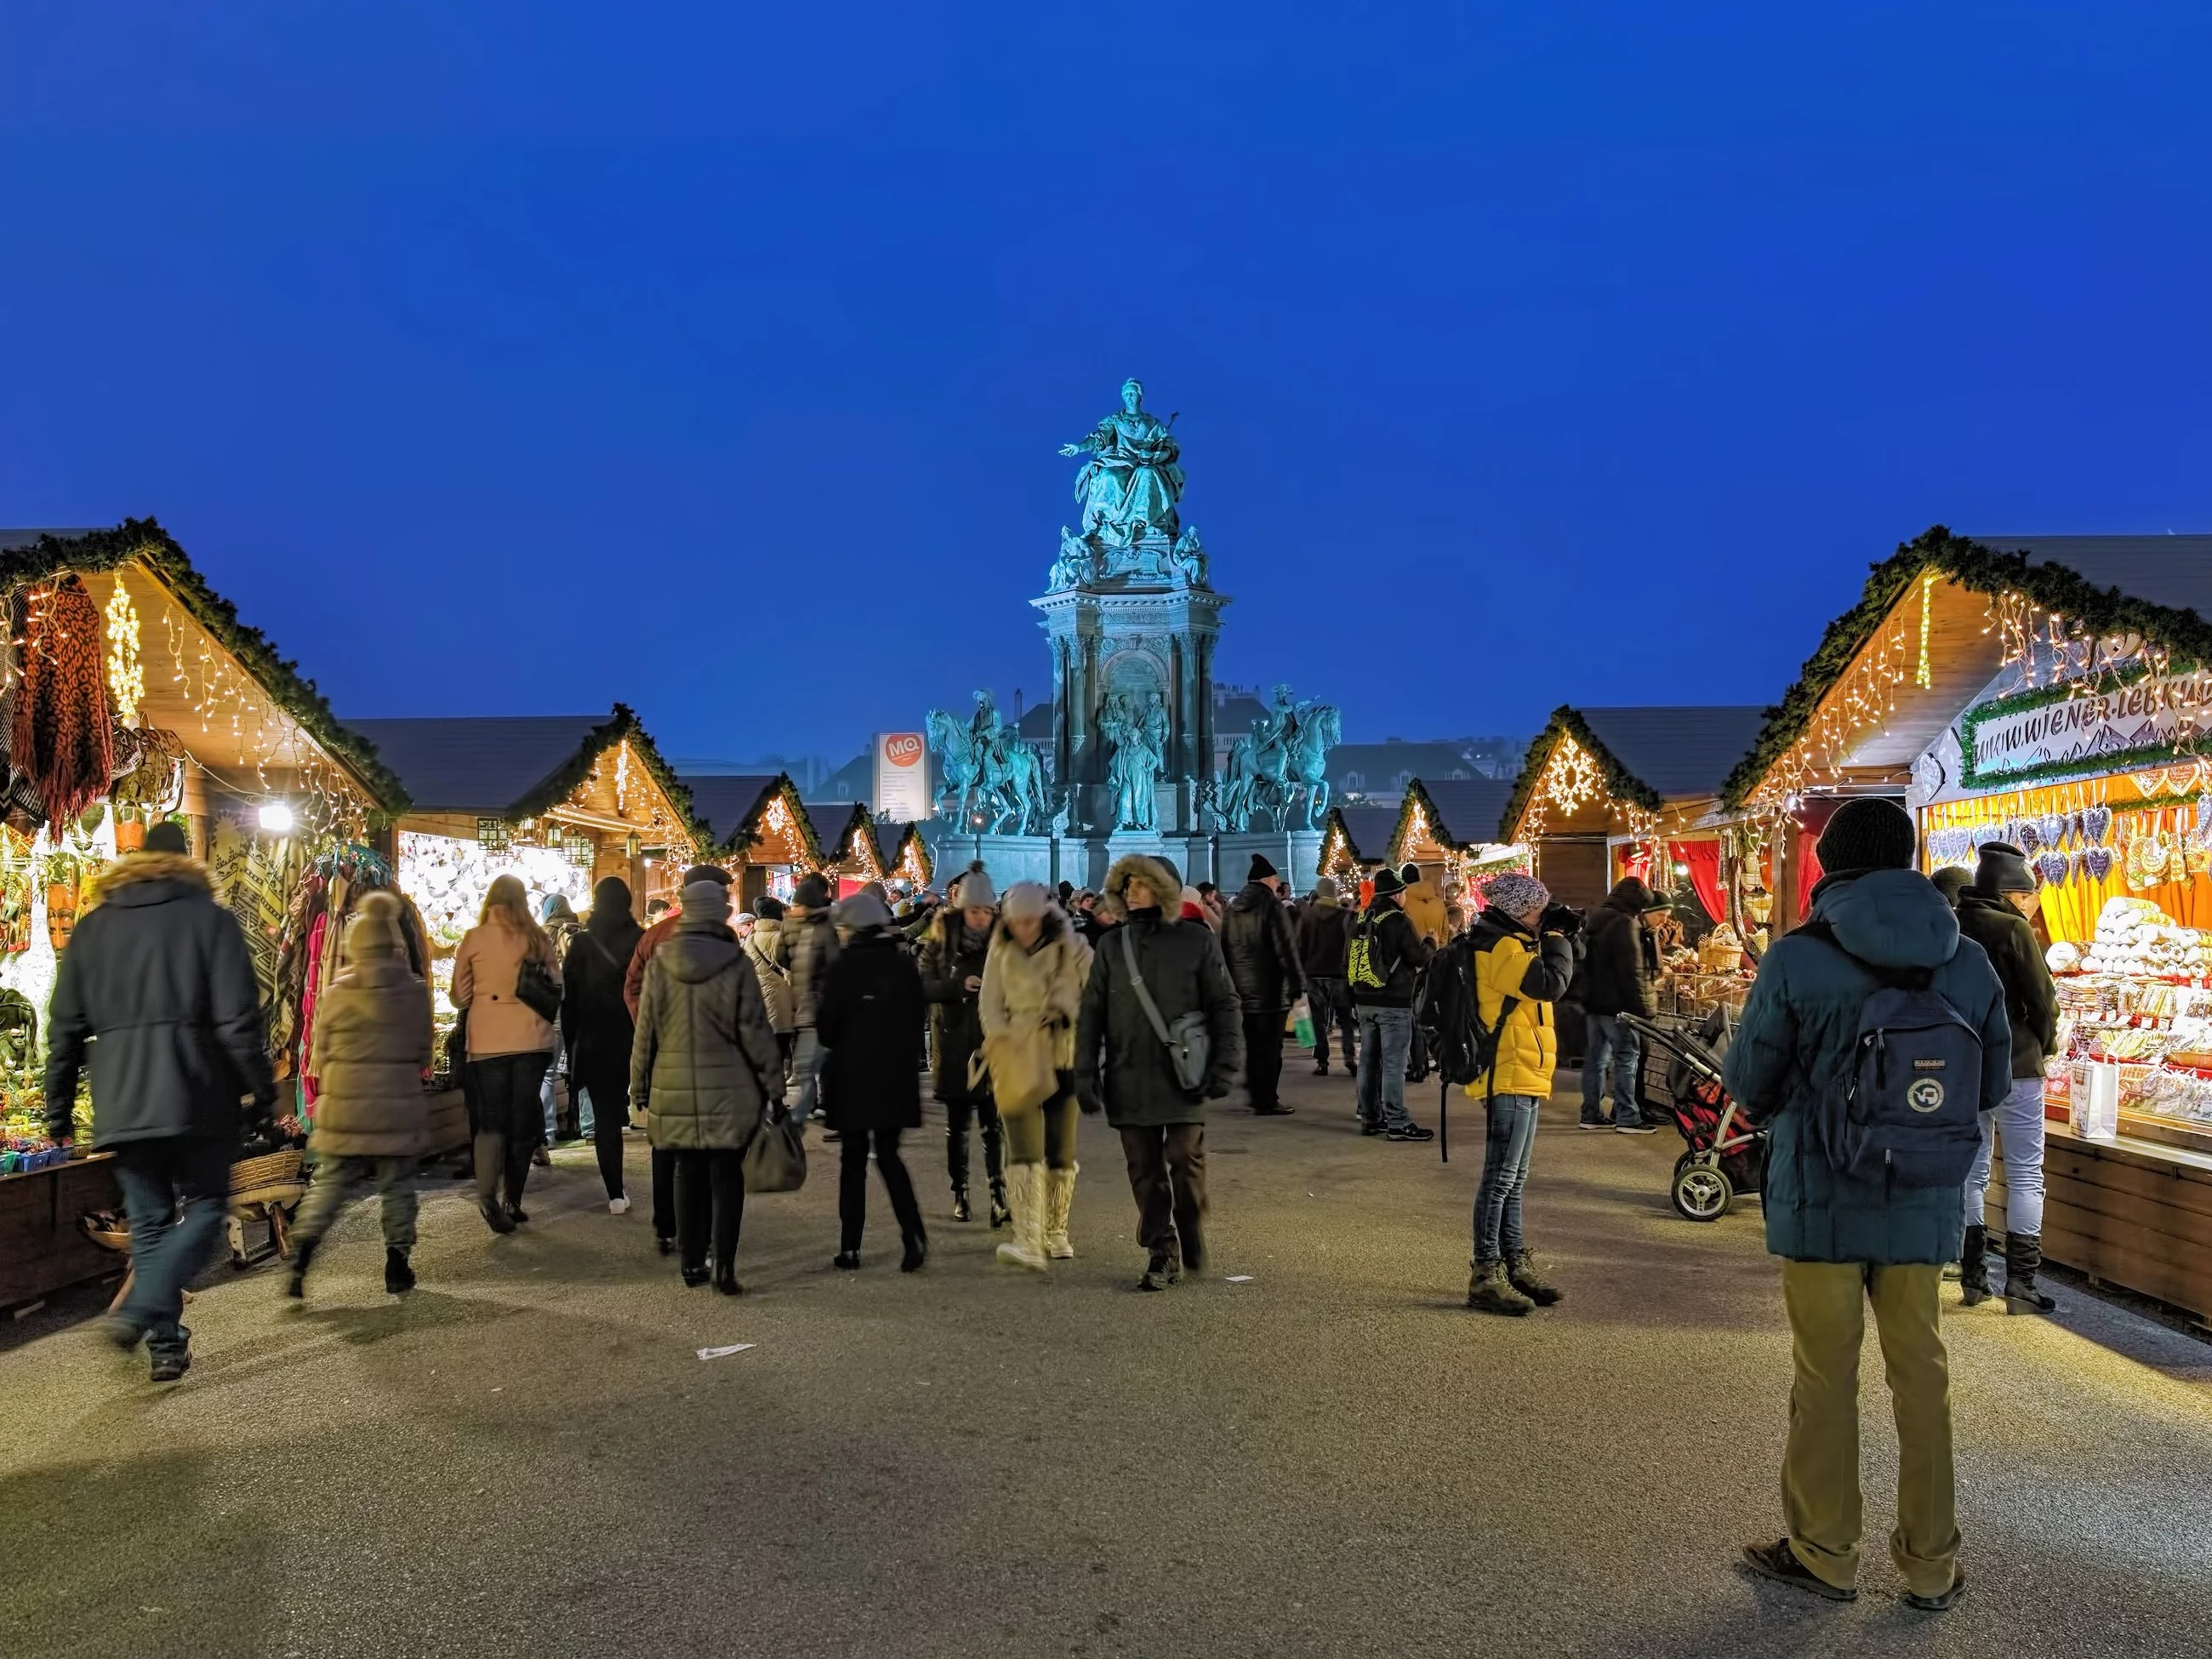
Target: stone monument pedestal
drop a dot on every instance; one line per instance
(1296, 855)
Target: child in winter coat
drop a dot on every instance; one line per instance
(372, 1047)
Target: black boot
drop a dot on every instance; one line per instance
(303, 1252)
(955, 1168)
(2023, 1260)
(1974, 1266)
(398, 1277)
(994, 1171)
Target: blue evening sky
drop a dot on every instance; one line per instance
(500, 357)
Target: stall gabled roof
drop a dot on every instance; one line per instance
(837, 824)
(34, 556)
(2157, 587)
(512, 766)
(1649, 756)
(1369, 831)
(902, 836)
(737, 805)
(1462, 813)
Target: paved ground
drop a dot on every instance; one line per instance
(527, 1457)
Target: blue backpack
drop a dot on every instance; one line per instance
(1907, 1111)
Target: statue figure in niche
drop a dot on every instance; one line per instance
(1135, 763)
(1132, 482)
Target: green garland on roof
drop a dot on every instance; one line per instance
(742, 839)
(276, 675)
(1980, 570)
(1619, 781)
(562, 782)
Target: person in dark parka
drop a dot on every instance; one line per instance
(1122, 1066)
(1620, 963)
(158, 974)
(597, 1028)
(871, 1018)
(1324, 935)
(1263, 965)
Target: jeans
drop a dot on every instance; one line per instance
(1263, 1057)
(1510, 1139)
(335, 1180)
(710, 1185)
(1385, 1034)
(1608, 1037)
(806, 1072)
(168, 1245)
(1167, 1174)
(1330, 1002)
(606, 1111)
(852, 1185)
(2020, 1121)
(1827, 1303)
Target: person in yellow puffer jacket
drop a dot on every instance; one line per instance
(1525, 950)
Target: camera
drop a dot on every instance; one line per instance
(1559, 918)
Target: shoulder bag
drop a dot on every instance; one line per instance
(536, 988)
(1189, 1042)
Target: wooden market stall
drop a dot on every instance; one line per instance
(912, 868)
(557, 800)
(846, 833)
(1448, 828)
(1354, 843)
(760, 830)
(2051, 691)
(136, 696)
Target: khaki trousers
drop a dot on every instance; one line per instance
(1827, 1303)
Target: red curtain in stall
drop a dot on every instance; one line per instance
(1703, 858)
(1808, 872)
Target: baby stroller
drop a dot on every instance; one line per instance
(1680, 1080)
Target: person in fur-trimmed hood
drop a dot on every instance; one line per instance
(372, 1047)
(159, 973)
(1122, 1066)
(1033, 981)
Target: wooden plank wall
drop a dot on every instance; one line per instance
(2131, 1218)
(42, 1248)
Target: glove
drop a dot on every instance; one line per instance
(1560, 918)
(1217, 1090)
(1087, 1098)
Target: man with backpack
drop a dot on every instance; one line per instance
(1383, 968)
(1873, 1039)
(1521, 955)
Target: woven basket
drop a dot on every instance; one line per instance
(271, 1169)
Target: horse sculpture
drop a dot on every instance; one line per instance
(1266, 771)
(1006, 782)
(1307, 762)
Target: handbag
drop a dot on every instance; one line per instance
(775, 1158)
(1023, 1077)
(1189, 1042)
(536, 989)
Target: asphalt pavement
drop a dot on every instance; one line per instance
(1310, 1449)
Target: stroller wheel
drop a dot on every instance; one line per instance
(1702, 1193)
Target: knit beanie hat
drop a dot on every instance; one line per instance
(1260, 869)
(1952, 880)
(1026, 901)
(812, 891)
(707, 901)
(2002, 868)
(1325, 889)
(1515, 894)
(168, 836)
(975, 889)
(1410, 874)
(705, 872)
(374, 929)
(1386, 881)
(861, 912)
(1870, 833)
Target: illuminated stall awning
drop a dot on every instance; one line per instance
(911, 863)
(846, 834)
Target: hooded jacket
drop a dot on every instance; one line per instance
(1262, 956)
(1798, 1037)
(2031, 997)
(704, 1050)
(1509, 961)
(1324, 935)
(1424, 908)
(1026, 988)
(372, 1047)
(159, 973)
(596, 1022)
(1618, 955)
(1119, 1060)
(871, 1022)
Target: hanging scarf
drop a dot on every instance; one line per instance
(62, 737)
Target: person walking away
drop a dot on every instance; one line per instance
(1998, 913)
(563, 1116)
(704, 1068)
(870, 1020)
(1032, 994)
(1383, 967)
(156, 989)
(807, 949)
(1155, 971)
(1424, 905)
(596, 1027)
(658, 933)
(510, 1045)
(764, 944)
(372, 1047)
(1620, 963)
(1525, 952)
(1324, 934)
(1263, 965)
(1847, 1239)
(952, 961)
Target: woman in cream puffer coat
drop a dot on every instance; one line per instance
(1033, 981)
